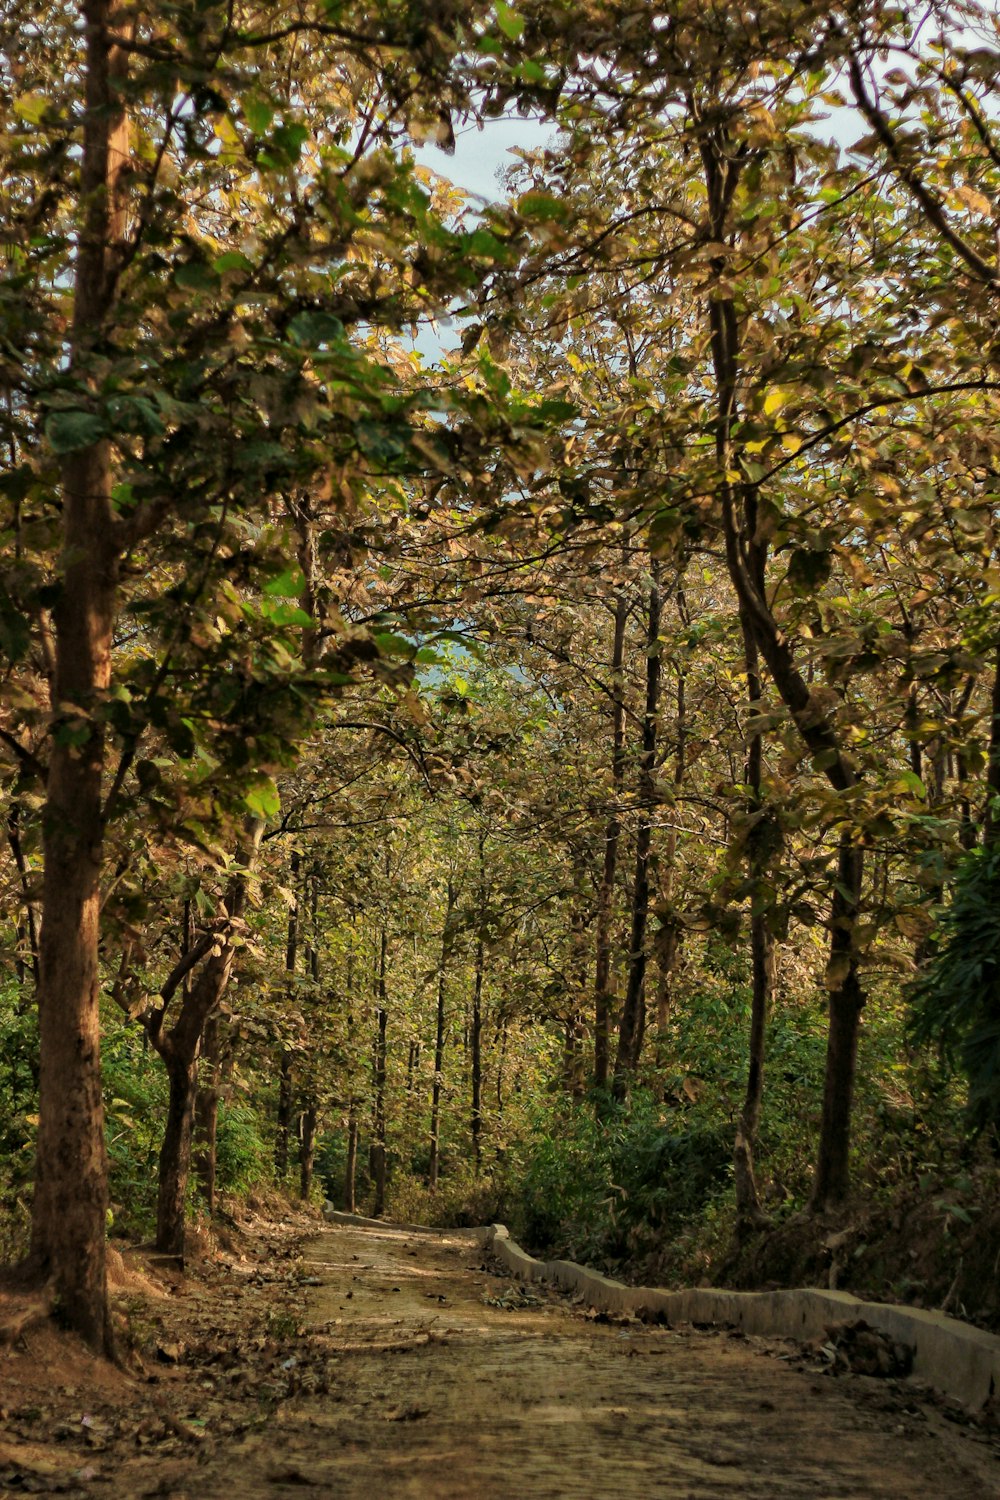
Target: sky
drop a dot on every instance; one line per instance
(479, 154)
(474, 166)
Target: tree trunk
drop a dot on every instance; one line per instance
(69, 1213)
(206, 1110)
(439, 1035)
(476, 1037)
(477, 1057)
(378, 1161)
(175, 1156)
(575, 1039)
(991, 820)
(818, 731)
(310, 1110)
(27, 927)
(606, 894)
(665, 950)
(668, 938)
(748, 1207)
(501, 1059)
(181, 1045)
(283, 1124)
(832, 1179)
(633, 1020)
(307, 1148)
(351, 1164)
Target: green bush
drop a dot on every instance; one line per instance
(956, 1001)
(135, 1103)
(18, 1106)
(241, 1153)
(462, 1201)
(601, 1191)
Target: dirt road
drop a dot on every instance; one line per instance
(379, 1362)
(448, 1383)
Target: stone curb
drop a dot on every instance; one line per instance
(953, 1357)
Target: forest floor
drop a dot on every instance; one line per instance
(355, 1360)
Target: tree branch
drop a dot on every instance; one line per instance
(931, 205)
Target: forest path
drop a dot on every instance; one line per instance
(448, 1382)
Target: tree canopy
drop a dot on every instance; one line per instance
(418, 747)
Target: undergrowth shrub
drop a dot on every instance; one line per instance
(241, 1152)
(956, 1000)
(462, 1201)
(135, 1099)
(18, 1106)
(601, 1191)
(135, 1104)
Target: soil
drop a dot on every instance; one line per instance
(925, 1249)
(347, 1361)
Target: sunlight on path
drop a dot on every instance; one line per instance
(442, 1394)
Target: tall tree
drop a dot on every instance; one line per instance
(206, 376)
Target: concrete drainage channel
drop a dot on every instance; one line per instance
(949, 1355)
(953, 1357)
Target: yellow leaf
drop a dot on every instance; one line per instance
(791, 442)
(774, 400)
(31, 107)
(227, 132)
(974, 201)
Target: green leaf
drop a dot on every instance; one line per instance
(289, 584)
(530, 71)
(391, 644)
(73, 428)
(231, 260)
(542, 207)
(808, 571)
(287, 614)
(552, 409)
(289, 140)
(196, 276)
(15, 630)
(259, 114)
(204, 903)
(135, 414)
(483, 242)
(909, 781)
(180, 737)
(74, 734)
(314, 328)
(510, 23)
(665, 529)
(262, 798)
(31, 107)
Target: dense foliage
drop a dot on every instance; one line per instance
(541, 777)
